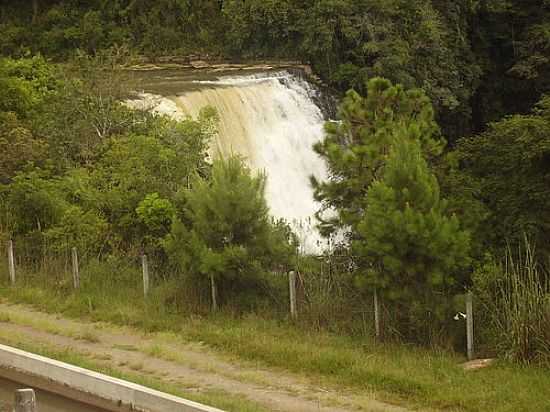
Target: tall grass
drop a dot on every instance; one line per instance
(523, 307)
(111, 291)
(329, 300)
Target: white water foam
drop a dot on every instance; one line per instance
(271, 120)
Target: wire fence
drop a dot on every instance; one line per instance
(326, 298)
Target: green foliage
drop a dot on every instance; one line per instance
(61, 27)
(512, 294)
(507, 170)
(75, 159)
(261, 28)
(88, 109)
(82, 169)
(513, 49)
(156, 213)
(357, 146)
(405, 243)
(19, 147)
(34, 202)
(405, 230)
(25, 84)
(135, 166)
(418, 253)
(85, 230)
(226, 231)
(476, 60)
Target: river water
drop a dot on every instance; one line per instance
(46, 402)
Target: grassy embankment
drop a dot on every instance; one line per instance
(220, 399)
(397, 373)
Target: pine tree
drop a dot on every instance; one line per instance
(405, 244)
(225, 232)
(356, 147)
(416, 251)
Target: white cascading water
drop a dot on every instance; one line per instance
(272, 121)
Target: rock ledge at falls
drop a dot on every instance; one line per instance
(217, 65)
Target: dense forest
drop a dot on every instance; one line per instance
(477, 60)
(439, 166)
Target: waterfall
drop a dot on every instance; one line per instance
(271, 120)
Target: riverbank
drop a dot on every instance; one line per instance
(254, 364)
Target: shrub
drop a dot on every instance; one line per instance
(225, 232)
(514, 295)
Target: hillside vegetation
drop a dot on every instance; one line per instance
(477, 60)
(439, 168)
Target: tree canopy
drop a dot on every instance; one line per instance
(476, 60)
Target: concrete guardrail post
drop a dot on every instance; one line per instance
(25, 401)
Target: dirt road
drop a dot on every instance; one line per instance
(192, 367)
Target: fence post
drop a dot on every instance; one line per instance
(292, 294)
(76, 271)
(11, 262)
(470, 325)
(25, 400)
(214, 292)
(145, 268)
(376, 314)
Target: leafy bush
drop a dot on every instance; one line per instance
(25, 84)
(156, 215)
(85, 230)
(508, 169)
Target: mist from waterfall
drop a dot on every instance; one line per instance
(271, 120)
